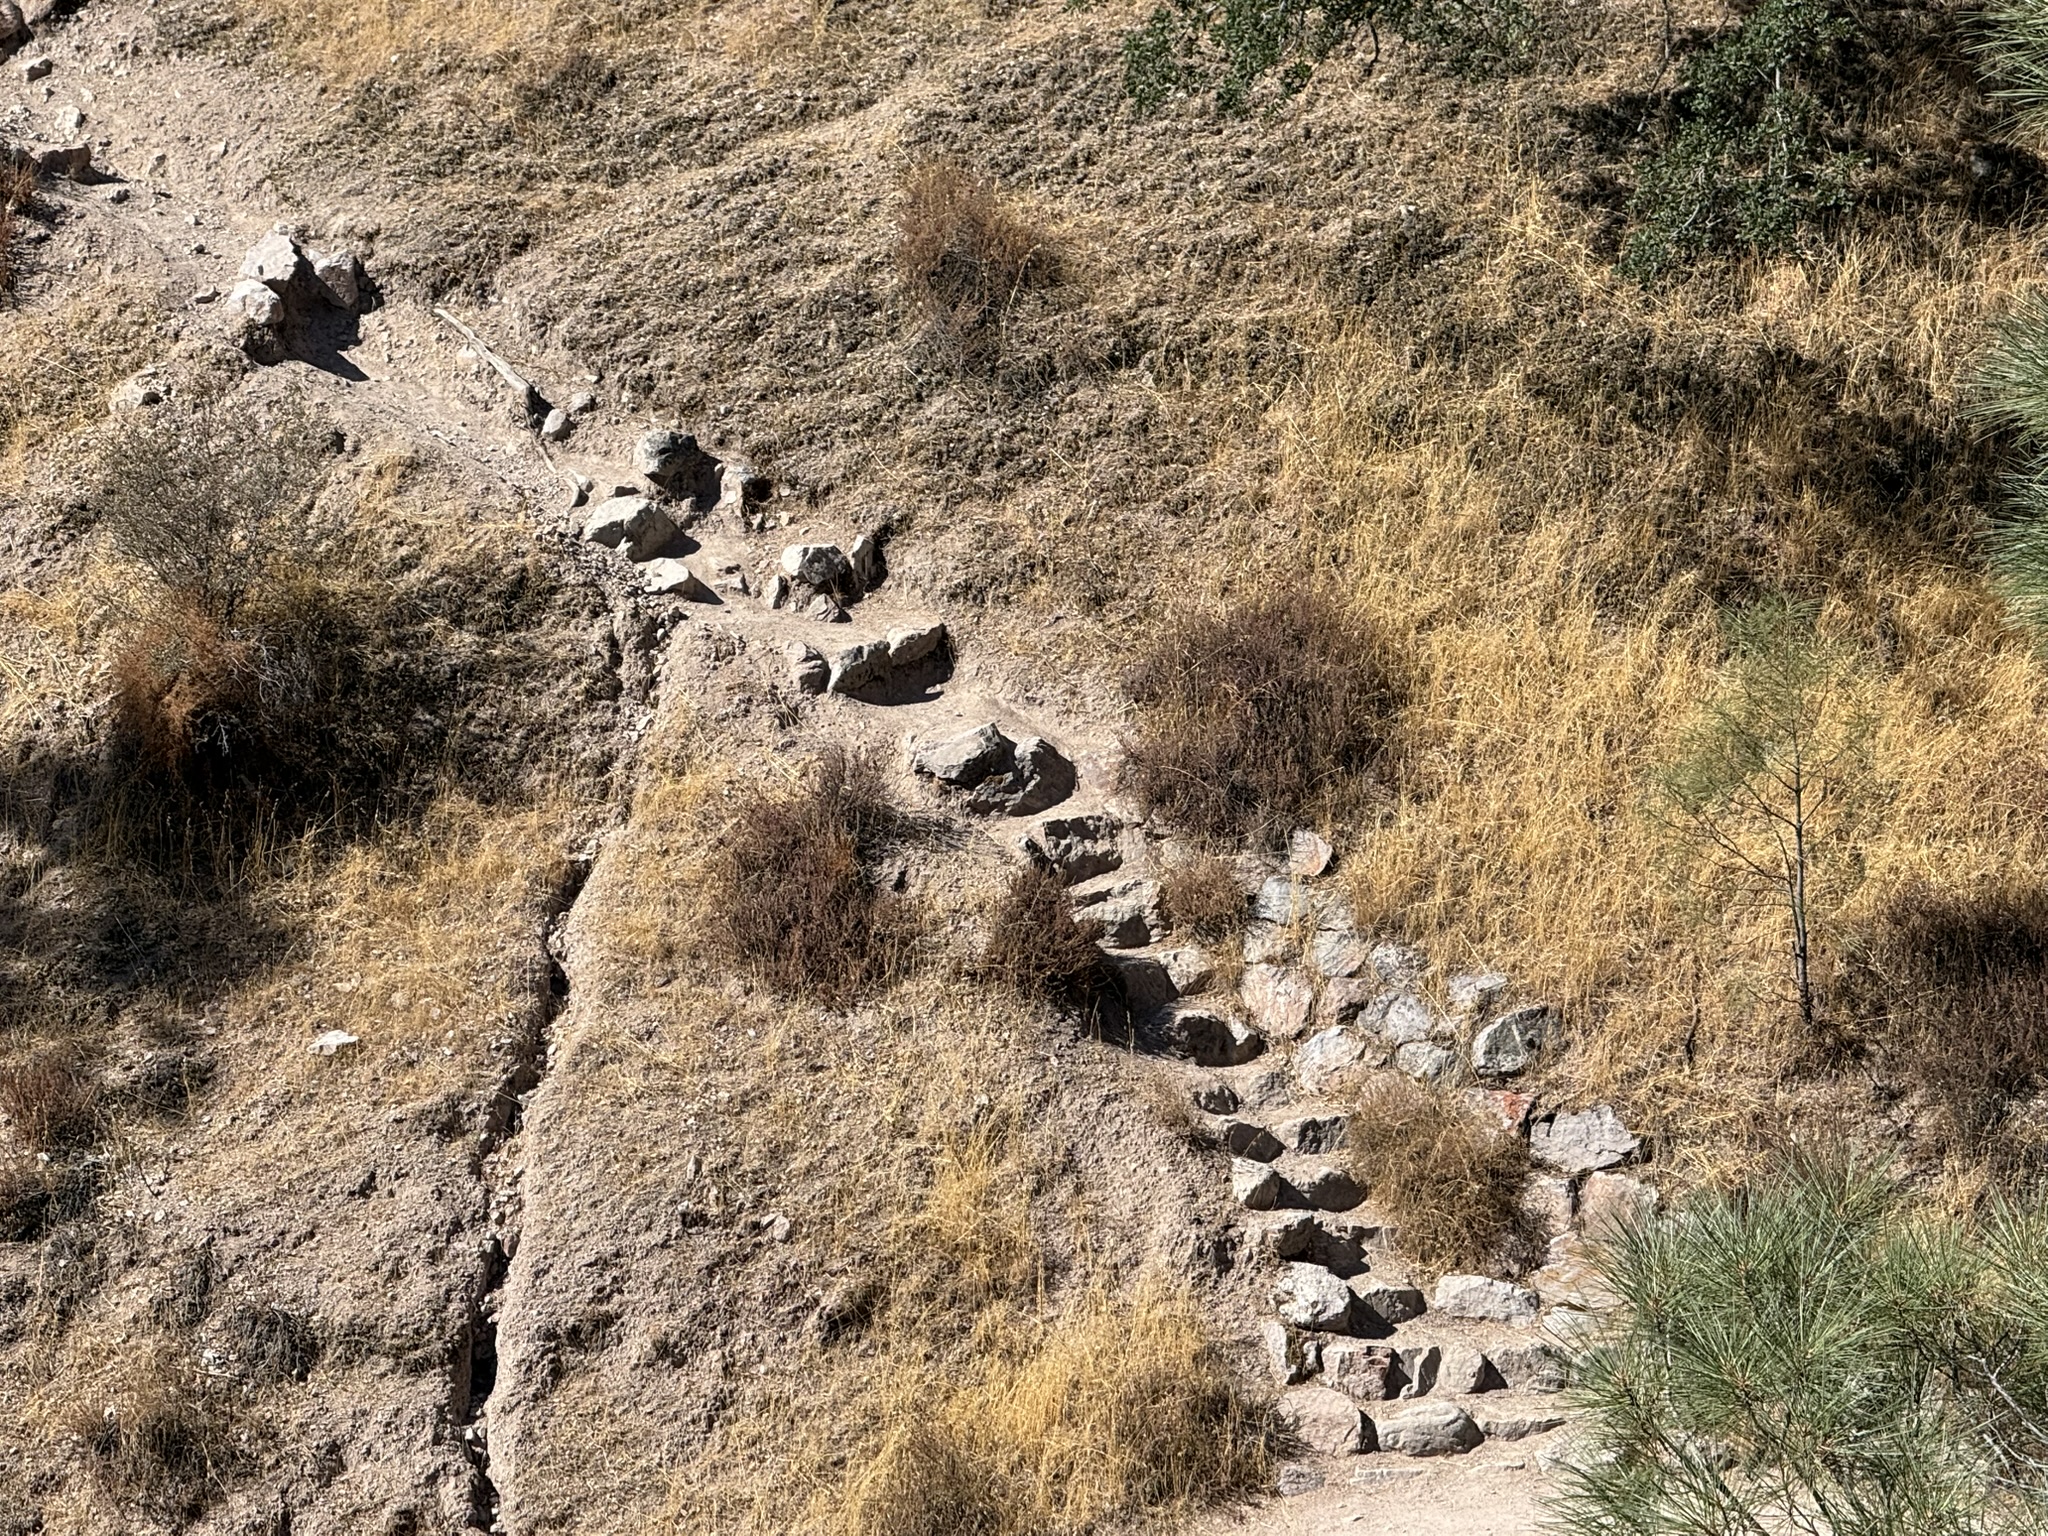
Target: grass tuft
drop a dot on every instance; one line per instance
(1037, 948)
(51, 1099)
(964, 257)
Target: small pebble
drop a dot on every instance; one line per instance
(35, 69)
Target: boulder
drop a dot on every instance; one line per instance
(1500, 1106)
(1308, 854)
(1322, 1056)
(1280, 900)
(255, 304)
(1345, 998)
(864, 557)
(1398, 965)
(32, 70)
(1339, 954)
(1285, 1234)
(1486, 1300)
(1267, 944)
(1369, 1373)
(1189, 969)
(672, 578)
(671, 460)
(775, 590)
(1390, 1303)
(1611, 1203)
(855, 666)
(1144, 980)
(14, 30)
(1309, 1297)
(273, 261)
(1314, 1133)
(1322, 1420)
(1425, 1060)
(1126, 911)
(1077, 848)
(740, 486)
(1428, 1429)
(823, 566)
(1548, 1203)
(1474, 992)
(1296, 1478)
(1255, 1186)
(633, 524)
(1509, 1044)
(915, 642)
(1040, 778)
(70, 162)
(1401, 1017)
(1278, 998)
(340, 278)
(1529, 1367)
(1419, 1364)
(1244, 1138)
(963, 761)
(1214, 1098)
(1465, 1371)
(1583, 1143)
(808, 671)
(1292, 1357)
(1326, 1188)
(1211, 1039)
(555, 426)
(823, 610)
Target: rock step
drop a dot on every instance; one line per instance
(1325, 1422)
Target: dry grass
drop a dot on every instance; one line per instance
(1036, 948)
(1256, 717)
(162, 1438)
(1451, 1184)
(793, 895)
(56, 367)
(964, 256)
(50, 1098)
(1202, 898)
(17, 191)
(1116, 1408)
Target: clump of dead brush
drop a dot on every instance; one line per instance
(964, 257)
(50, 1098)
(1036, 947)
(1202, 898)
(1451, 1185)
(168, 1441)
(17, 191)
(793, 894)
(1256, 715)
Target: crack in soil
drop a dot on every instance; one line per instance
(476, 1358)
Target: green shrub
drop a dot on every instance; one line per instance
(2011, 397)
(1812, 1354)
(1746, 164)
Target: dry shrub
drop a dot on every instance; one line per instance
(1037, 948)
(166, 1441)
(17, 189)
(50, 1097)
(792, 894)
(56, 367)
(1257, 716)
(963, 256)
(1451, 1185)
(1954, 987)
(1203, 899)
(1117, 1410)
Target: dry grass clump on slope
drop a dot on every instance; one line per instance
(1037, 948)
(1552, 548)
(56, 367)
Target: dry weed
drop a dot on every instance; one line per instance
(1036, 948)
(964, 257)
(1202, 898)
(56, 367)
(164, 1439)
(51, 1099)
(1451, 1185)
(17, 190)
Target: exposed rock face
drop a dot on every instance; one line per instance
(633, 524)
(1582, 1143)
(1428, 1429)
(1324, 1421)
(1494, 1301)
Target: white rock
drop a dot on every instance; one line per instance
(1425, 1060)
(1255, 1186)
(672, 578)
(1322, 1056)
(775, 591)
(1582, 1143)
(914, 643)
(1398, 965)
(332, 1041)
(1309, 1297)
(821, 565)
(1517, 1424)
(1340, 954)
(256, 304)
(1488, 1300)
(1278, 998)
(70, 123)
(1464, 1371)
(632, 523)
(864, 556)
(1280, 900)
(855, 666)
(1308, 854)
(1314, 1133)
(272, 261)
(1610, 1203)
(1474, 992)
(556, 427)
(1402, 1017)
(1325, 1421)
(340, 277)
(1290, 1356)
(1428, 1429)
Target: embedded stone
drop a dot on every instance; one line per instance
(1583, 1143)
(1485, 1299)
(1278, 998)
(1367, 1372)
(1428, 1429)
(1511, 1042)
(1309, 1297)
(1322, 1420)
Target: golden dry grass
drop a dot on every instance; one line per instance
(57, 366)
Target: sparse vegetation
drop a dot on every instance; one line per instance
(1449, 1183)
(965, 257)
(168, 1439)
(1267, 712)
(17, 190)
(50, 1099)
(1812, 1352)
(1203, 898)
(794, 894)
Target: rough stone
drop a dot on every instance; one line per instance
(1190, 969)
(1339, 955)
(963, 761)
(1314, 1133)
(1610, 1203)
(1144, 979)
(1548, 1203)
(1370, 1373)
(1255, 1186)
(672, 578)
(1474, 992)
(671, 460)
(775, 591)
(273, 261)
(333, 1041)
(1484, 1299)
(630, 523)
(1510, 1043)
(1401, 1017)
(1465, 1371)
(1419, 1365)
(1428, 1429)
(70, 122)
(72, 162)
(1288, 1235)
(14, 31)
(1323, 1420)
(1345, 998)
(1280, 900)
(864, 557)
(915, 642)
(1425, 1060)
(1077, 848)
(1583, 1143)
(1040, 778)
(1529, 1367)
(1211, 1039)
(1322, 1056)
(134, 393)
(255, 304)
(1324, 1187)
(1214, 1098)
(808, 671)
(1309, 1297)
(1267, 944)
(1278, 998)
(340, 278)
(820, 565)
(1292, 1357)
(1392, 1304)
(853, 667)
(32, 70)
(741, 486)
(824, 610)
(1500, 1106)
(1127, 912)
(1398, 965)
(556, 427)
(1308, 854)
(1244, 1138)
(1296, 1478)
(1514, 1424)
